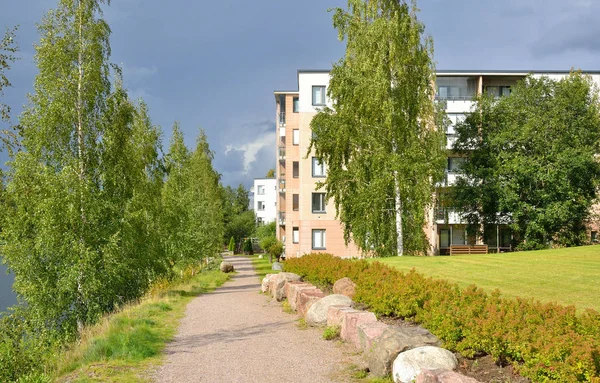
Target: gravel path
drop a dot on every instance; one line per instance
(236, 334)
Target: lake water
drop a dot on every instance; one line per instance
(7, 296)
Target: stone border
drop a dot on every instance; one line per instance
(408, 354)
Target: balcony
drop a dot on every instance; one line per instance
(281, 218)
(450, 141)
(281, 154)
(282, 184)
(281, 118)
(447, 216)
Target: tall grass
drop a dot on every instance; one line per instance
(127, 346)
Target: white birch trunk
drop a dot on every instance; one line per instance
(80, 142)
(398, 206)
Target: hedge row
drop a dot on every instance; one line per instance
(545, 342)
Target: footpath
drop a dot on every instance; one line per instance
(236, 334)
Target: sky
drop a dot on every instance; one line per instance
(214, 65)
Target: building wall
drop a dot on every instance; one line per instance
(269, 198)
(304, 219)
(305, 184)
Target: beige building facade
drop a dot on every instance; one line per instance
(306, 224)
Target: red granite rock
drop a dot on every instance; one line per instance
(344, 286)
(335, 313)
(350, 322)
(443, 376)
(369, 333)
(292, 289)
(306, 298)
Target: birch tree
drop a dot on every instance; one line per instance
(53, 237)
(378, 139)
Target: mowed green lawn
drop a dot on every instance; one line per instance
(567, 276)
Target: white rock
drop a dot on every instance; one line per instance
(317, 313)
(409, 364)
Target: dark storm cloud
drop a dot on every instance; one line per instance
(577, 34)
(216, 64)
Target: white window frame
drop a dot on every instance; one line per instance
(314, 239)
(322, 201)
(321, 89)
(296, 136)
(260, 189)
(319, 169)
(260, 205)
(296, 235)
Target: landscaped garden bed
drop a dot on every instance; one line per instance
(543, 342)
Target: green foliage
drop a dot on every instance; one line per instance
(532, 161)
(378, 140)
(231, 246)
(92, 216)
(271, 173)
(239, 221)
(545, 342)
(193, 218)
(247, 248)
(266, 230)
(272, 246)
(331, 332)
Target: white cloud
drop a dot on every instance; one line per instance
(251, 149)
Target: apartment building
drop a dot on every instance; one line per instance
(306, 224)
(265, 199)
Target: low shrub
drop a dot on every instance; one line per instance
(331, 332)
(544, 341)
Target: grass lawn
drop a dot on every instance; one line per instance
(262, 266)
(568, 276)
(127, 346)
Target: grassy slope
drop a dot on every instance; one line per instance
(127, 346)
(568, 276)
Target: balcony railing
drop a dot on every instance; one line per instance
(281, 218)
(282, 184)
(281, 118)
(281, 154)
(454, 98)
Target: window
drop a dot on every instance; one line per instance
(498, 91)
(458, 237)
(318, 95)
(296, 137)
(259, 221)
(318, 239)
(318, 202)
(455, 119)
(318, 168)
(260, 190)
(456, 88)
(295, 202)
(261, 206)
(455, 164)
(296, 105)
(594, 236)
(295, 169)
(295, 235)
